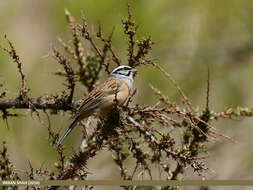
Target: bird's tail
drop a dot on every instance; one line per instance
(71, 127)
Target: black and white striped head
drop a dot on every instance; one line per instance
(124, 72)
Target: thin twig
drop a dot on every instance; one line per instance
(12, 52)
(86, 34)
(176, 85)
(69, 71)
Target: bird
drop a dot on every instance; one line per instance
(102, 98)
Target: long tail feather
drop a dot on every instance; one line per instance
(71, 127)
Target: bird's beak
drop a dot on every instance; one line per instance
(135, 71)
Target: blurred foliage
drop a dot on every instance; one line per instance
(189, 37)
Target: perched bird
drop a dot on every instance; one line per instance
(102, 98)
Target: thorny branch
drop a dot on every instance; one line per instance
(12, 52)
(54, 103)
(107, 45)
(144, 45)
(79, 50)
(190, 106)
(69, 73)
(142, 132)
(86, 34)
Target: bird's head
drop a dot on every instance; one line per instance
(124, 71)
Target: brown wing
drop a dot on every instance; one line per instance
(95, 98)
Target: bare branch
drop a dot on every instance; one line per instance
(79, 50)
(86, 34)
(12, 52)
(108, 45)
(69, 73)
(39, 103)
(130, 30)
(190, 106)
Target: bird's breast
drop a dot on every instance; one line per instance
(110, 100)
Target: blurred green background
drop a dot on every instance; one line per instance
(189, 37)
